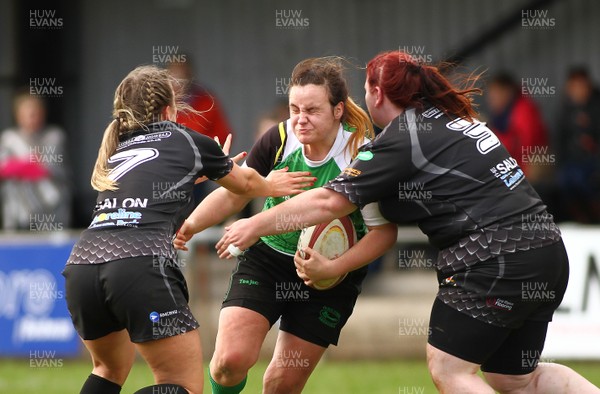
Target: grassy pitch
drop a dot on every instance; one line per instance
(394, 377)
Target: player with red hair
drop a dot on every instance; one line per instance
(435, 165)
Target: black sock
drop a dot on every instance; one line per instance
(98, 385)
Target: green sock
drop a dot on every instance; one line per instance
(218, 389)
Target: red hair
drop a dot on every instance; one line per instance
(407, 83)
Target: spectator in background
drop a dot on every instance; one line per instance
(517, 122)
(212, 121)
(278, 113)
(35, 189)
(579, 148)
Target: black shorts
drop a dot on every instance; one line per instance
(145, 295)
(496, 313)
(265, 281)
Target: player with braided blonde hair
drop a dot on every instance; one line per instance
(124, 287)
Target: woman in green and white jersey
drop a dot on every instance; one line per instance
(322, 136)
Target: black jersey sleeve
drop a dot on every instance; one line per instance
(267, 150)
(215, 163)
(378, 169)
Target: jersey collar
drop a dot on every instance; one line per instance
(338, 146)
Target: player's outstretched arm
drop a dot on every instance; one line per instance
(222, 203)
(214, 209)
(246, 182)
(373, 245)
(315, 206)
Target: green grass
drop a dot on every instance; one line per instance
(17, 377)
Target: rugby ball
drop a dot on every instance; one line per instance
(331, 240)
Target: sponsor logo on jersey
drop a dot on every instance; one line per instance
(142, 139)
(432, 112)
(365, 155)
(352, 172)
(122, 217)
(129, 202)
(509, 172)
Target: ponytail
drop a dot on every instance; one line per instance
(407, 83)
(100, 180)
(357, 119)
(139, 101)
(440, 93)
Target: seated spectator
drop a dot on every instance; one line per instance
(35, 189)
(579, 148)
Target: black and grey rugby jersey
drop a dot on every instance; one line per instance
(455, 180)
(155, 170)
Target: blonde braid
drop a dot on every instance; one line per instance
(139, 100)
(150, 104)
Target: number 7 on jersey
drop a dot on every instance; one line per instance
(130, 159)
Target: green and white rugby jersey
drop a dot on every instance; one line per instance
(279, 148)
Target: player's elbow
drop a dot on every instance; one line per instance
(248, 189)
(333, 204)
(241, 181)
(390, 231)
(252, 189)
(243, 188)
